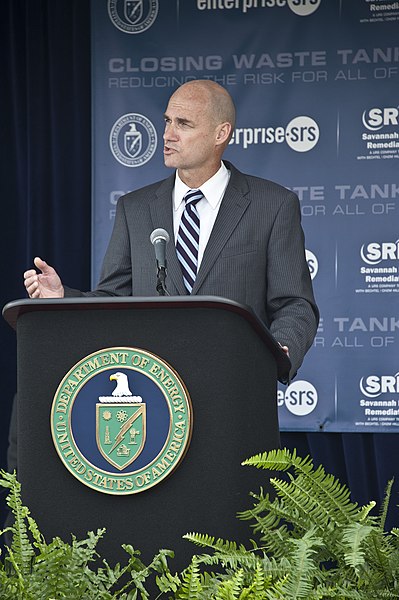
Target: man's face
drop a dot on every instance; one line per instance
(190, 131)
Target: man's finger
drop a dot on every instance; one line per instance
(41, 264)
(32, 287)
(29, 274)
(32, 281)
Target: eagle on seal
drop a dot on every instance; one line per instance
(122, 385)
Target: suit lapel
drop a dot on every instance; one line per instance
(234, 204)
(162, 216)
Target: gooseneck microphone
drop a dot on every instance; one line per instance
(159, 238)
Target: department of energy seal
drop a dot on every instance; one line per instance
(121, 420)
(133, 16)
(133, 140)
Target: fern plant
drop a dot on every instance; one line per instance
(33, 569)
(313, 543)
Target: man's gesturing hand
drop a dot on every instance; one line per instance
(45, 284)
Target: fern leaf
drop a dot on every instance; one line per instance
(191, 584)
(226, 553)
(299, 582)
(280, 460)
(353, 537)
(21, 549)
(168, 582)
(139, 573)
(231, 589)
(278, 591)
(261, 582)
(207, 541)
(364, 511)
(319, 492)
(385, 503)
(275, 569)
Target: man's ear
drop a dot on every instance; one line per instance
(223, 133)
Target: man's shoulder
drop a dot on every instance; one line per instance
(148, 192)
(259, 186)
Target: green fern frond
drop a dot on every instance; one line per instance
(139, 573)
(191, 582)
(21, 551)
(276, 569)
(48, 578)
(385, 504)
(266, 516)
(48, 574)
(8, 586)
(276, 542)
(336, 496)
(364, 512)
(321, 495)
(231, 589)
(382, 556)
(319, 492)
(168, 582)
(339, 592)
(257, 586)
(352, 538)
(269, 522)
(208, 541)
(299, 582)
(226, 553)
(261, 581)
(38, 539)
(262, 503)
(230, 561)
(280, 460)
(278, 592)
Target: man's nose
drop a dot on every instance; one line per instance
(170, 132)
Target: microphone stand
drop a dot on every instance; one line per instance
(161, 277)
(159, 238)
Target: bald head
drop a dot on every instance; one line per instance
(215, 99)
(199, 120)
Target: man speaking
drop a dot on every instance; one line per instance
(235, 235)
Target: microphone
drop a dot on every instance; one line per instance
(159, 238)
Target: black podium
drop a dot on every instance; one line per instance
(229, 363)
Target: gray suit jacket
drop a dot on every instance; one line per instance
(255, 255)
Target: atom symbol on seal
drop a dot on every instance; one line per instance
(121, 415)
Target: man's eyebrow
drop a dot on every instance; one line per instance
(179, 119)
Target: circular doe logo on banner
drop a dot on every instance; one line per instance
(121, 420)
(133, 16)
(133, 140)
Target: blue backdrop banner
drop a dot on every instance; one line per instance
(315, 83)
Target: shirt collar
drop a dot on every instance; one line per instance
(213, 189)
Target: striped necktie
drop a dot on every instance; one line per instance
(187, 241)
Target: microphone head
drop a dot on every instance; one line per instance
(159, 235)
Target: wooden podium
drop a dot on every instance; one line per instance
(229, 364)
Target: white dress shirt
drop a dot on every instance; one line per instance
(207, 207)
